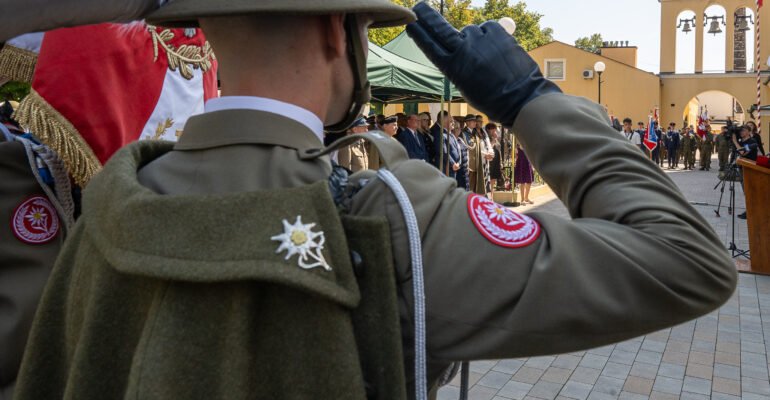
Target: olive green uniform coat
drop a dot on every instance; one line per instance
(24, 267)
(706, 149)
(618, 269)
(723, 150)
(688, 144)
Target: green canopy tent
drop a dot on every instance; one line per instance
(395, 79)
(403, 46)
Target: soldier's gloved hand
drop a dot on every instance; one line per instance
(489, 67)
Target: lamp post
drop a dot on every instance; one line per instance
(599, 67)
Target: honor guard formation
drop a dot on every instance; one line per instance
(178, 229)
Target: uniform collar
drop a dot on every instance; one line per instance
(244, 126)
(299, 114)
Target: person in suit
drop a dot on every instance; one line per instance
(427, 138)
(443, 158)
(413, 142)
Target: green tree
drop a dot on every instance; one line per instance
(380, 36)
(592, 44)
(529, 33)
(460, 13)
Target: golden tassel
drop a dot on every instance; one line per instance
(56, 132)
(17, 64)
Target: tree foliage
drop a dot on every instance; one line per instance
(529, 33)
(14, 91)
(592, 43)
(460, 13)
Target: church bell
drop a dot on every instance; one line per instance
(715, 29)
(687, 28)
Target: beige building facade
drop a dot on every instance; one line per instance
(626, 90)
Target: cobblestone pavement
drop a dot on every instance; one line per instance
(722, 355)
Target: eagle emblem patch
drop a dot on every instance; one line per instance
(500, 225)
(35, 221)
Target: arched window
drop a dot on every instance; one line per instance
(685, 43)
(714, 40)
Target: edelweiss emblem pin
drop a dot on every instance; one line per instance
(301, 240)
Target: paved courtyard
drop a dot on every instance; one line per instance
(722, 355)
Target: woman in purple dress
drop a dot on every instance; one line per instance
(523, 174)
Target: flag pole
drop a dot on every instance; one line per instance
(758, 67)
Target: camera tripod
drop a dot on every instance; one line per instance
(732, 174)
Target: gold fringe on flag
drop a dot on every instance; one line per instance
(17, 64)
(53, 130)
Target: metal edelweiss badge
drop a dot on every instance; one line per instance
(301, 240)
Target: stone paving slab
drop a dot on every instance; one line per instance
(722, 356)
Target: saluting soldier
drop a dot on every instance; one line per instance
(706, 149)
(723, 148)
(196, 273)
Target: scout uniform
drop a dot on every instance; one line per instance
(723, 150)
(706, 148)
(497, 284)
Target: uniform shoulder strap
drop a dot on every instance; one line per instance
(392, 152)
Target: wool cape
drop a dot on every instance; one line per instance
(185, 297)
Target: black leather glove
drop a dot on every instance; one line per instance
(489, 67)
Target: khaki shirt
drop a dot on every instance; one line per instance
(353, 157)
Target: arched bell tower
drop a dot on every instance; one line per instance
(726, 29)
(734, 19)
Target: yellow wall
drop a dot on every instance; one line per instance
(626, 55)
(626, 91)
(678, 89)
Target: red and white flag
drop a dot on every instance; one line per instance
(100, 87)
(703, 120)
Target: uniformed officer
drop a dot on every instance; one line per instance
(723, 148)
(497, 284)
(672, 146)
(706, 149)
(687, 144)
(354, 156)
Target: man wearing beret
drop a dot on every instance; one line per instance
(218, 267)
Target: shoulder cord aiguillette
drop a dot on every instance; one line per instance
(415, 250)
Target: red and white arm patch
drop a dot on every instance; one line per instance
(35, 221)
(500, 225)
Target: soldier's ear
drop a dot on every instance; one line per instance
(336, 37)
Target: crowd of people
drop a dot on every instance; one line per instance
(473, 153)
(675, 148)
